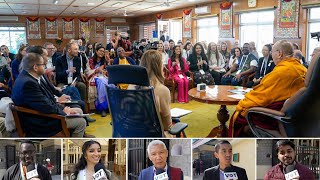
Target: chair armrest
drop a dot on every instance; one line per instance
(54, 116)
(269, 112)
(178, 128)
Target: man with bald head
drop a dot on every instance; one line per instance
(280, 84)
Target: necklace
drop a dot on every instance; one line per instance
(88, 175)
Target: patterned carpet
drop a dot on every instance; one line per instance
(202, 119)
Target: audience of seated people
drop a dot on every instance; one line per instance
(280, 84)
(30, 92)
(211, 65)
(178, 66)
(199, 65)
(246, 66)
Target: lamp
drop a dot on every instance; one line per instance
(55, 2)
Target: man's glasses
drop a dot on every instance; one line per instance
(40, 64)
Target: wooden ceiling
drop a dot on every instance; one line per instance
(92, 8)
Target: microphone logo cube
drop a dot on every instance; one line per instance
(162, 176)
(32, 174)
(99, 175)
(292, 175)
(230, 176)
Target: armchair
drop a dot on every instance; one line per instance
(134, 112)
(300, 116)
(169, 82)
(17, 111)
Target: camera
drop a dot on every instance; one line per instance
(315, 35)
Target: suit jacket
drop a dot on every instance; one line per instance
(270, 66)
(193, 64)
(62, 67)
(214, 173)
(27, 92)
(55, 56)
(173, 173)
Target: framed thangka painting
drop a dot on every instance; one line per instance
(33, 28)
(187, 23)
(68, 28)
(288, 19)
(225, 17)
(100, 27)
(51, 28)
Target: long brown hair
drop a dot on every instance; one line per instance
(209, 51)
(152, 61)
(19, 55)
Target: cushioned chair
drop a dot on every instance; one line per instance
(134, 112)
(17, 110)
(300, 115)
(169, 82)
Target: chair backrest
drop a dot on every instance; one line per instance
(133, 112)
(304, 111)
(312, 68)
(129, 74)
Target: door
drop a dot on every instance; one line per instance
(10, 155)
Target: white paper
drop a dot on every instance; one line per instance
(236, 96)
(177, 112)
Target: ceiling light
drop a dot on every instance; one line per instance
(116, 4)
(55, 2)
(90, 3)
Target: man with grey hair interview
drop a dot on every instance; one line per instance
(29, 92)
(158, 154)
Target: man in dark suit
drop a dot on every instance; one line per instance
(223, 151)
(71, 92)
(158, 154)
(68, 67)
(265, 66)
(30, 92)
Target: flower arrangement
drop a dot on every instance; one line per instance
(59, 41)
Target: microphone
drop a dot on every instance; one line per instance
(291, 173)
(31, 171)
(161, 175)
(229, 174)
(100, 172)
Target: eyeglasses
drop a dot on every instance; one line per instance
(41, 64)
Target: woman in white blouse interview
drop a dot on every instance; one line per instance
(91, 156)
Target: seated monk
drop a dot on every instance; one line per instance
(280, 84)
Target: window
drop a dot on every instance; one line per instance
(313, 26)
(175, 30)
(208, 30)
(13, 37)
(257, 27)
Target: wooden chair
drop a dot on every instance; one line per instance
(169, 82)
(17, 109)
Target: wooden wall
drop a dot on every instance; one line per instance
(239, 6)
(22, 20)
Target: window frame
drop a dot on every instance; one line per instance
(257, 23)
(308, 38)
(216, 19)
